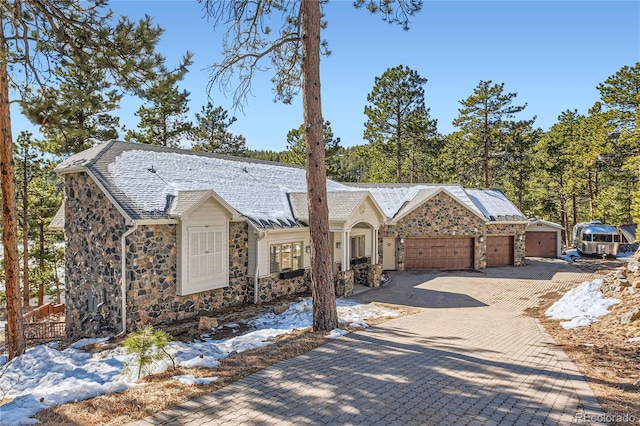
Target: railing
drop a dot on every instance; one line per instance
(36, 333)
(40, 326)
(43, 312)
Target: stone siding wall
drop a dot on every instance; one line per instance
(152, 258)
(93, 227)
(518, 232)
(272, 287)
(344, 283)
(438, 217)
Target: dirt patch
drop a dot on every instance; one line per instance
(162, 392)
(603, 353)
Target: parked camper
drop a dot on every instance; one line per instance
(596, 238)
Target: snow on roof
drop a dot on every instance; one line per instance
(258, 191)
(393, 197)
(534, 221)
(57, 223)
(145, 180)
(341, 204)
(495, 205)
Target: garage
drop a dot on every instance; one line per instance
(541, 244)
(438, 253)
(500, 250)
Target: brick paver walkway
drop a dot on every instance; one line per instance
(470, 357)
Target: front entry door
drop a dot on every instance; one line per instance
(389, 253)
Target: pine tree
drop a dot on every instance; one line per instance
(296, 152)
(621, 95)
(35, 38)
(77, 111)
(483, 118)
(398, 121)
(211, 133)
(163, 121)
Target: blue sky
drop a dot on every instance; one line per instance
(552, 53)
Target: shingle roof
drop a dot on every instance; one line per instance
(341, 204)
(392, 197)
(148, 181)
(495, 205)
(145, 179)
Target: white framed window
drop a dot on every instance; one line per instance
(285, 257)
(205, 261)
(206, 253)
(357, 246)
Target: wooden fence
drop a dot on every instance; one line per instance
(40, 325)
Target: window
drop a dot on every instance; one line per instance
(357, 246)
(285, 257)
(206, 253)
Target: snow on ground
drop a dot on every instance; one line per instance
(45, 376)
(581, 305)
(571, 255)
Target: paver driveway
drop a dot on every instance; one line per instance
(470, 357)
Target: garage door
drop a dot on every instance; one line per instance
(499, 250)
(438, 253)
(541, 244)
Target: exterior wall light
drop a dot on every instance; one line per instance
(338, 245)
(481, 239)
(307, 249)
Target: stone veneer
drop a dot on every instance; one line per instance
(273, 287)
(437, 217)
(152, 257)
(518, 231)
(92, 260)
(344, 283)
(367, 274)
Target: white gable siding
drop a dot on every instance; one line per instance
(365, 212)
(203, 261)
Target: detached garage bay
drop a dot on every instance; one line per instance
(439, 253)
(541, 244)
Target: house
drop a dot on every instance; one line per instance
(544, 239)
(155, 234)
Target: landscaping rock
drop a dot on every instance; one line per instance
(207, 323)
(632, 315)
(278, 309)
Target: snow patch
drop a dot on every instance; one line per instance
(581, 305)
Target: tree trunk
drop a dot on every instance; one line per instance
(485, 154)
(15, 326)
(563, 211)
(25, 231)
(574, 207)
(41, 283)
(591, 195)
(325, 315)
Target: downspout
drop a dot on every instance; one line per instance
(123, 272)
(256, 287)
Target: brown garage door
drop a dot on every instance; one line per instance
(499, 250)
(438, 253)
(541, 244)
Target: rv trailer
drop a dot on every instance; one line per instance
(596, 238)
